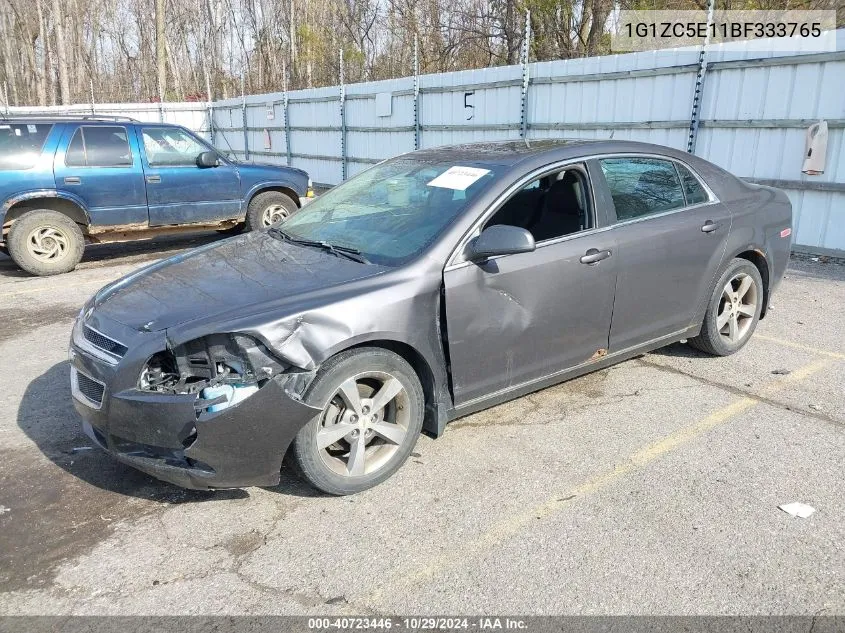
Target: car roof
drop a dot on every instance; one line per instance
(86, 119)
(511, 153)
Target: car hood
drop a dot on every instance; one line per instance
(241, 275)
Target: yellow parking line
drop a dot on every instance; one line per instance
(805, 348)
(510, 526)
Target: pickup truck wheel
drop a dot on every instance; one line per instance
(734, 310)
(372, 414)
(268, 208)
(45, 242)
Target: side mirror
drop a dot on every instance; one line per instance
(208, 159)
(500, 239)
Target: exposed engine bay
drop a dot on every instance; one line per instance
(222, 369)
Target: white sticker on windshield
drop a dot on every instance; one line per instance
(458, 177)
(31, 128)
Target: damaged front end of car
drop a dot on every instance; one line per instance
(215, 412)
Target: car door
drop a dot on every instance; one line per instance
(670, 233)
(178, 190)
(99, 164)
(518, 318)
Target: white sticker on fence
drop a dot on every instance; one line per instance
(458, 177)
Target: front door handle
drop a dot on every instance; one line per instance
(73, 180)
(710, 226)
(594, 256)
(153, 179)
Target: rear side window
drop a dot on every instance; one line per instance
(692, 187)
(99, 146)
(21, 143)
(642, 186)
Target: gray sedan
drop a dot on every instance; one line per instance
(428, 287)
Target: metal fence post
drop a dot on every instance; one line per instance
(243, 118)
(523, 102)
(210, 108)
(286, 115)
(91, 86)
(6, 96)
(416, 94)
(342, 121)
(695, 115)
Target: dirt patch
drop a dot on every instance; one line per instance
(16, 321)
(242, 544)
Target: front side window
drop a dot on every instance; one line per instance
(99, 146)
(550, 207)
(642, 186)
(21, 143)
(393, 211)
(171, 147)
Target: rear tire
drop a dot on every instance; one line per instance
(268, 208)
(372, 414)
(45, 242)
(734, 310)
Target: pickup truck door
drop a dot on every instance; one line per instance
(180, 192)
(100, 165)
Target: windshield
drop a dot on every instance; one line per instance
(393, 211)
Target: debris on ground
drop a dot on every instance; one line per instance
(797, 509)
(781, 372)
(815, 407)
(4, 509)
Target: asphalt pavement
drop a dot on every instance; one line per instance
(651, 487)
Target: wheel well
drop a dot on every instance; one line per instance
(423, 371)
(759, 260)
(66, 207)
(290, 193)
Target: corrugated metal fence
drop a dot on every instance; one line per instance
(754, 110)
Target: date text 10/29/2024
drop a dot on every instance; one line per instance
(416, 623)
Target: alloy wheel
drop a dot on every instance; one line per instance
(364, 424)
(737, 308)
(273, 214)
(47, 243)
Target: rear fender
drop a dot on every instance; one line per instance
(41, 194)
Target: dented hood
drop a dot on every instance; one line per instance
(239, 275)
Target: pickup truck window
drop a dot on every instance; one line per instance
(170, 147)
(21, 143)
(99, 146)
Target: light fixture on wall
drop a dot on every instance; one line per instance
(815, 149)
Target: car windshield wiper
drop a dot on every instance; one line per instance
(341, 251)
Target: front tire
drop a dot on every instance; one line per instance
(372, 414)
(734, 310)
(268, 208)
(45, 242)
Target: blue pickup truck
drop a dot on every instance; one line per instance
(68, 182)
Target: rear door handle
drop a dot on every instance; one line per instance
(73, 180)
(594, 256)
(710, 226)
(153, 179)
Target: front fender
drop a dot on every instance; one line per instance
(275, 184)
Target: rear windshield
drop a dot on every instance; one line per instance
(20, 144)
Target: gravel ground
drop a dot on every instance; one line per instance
(648, 488)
